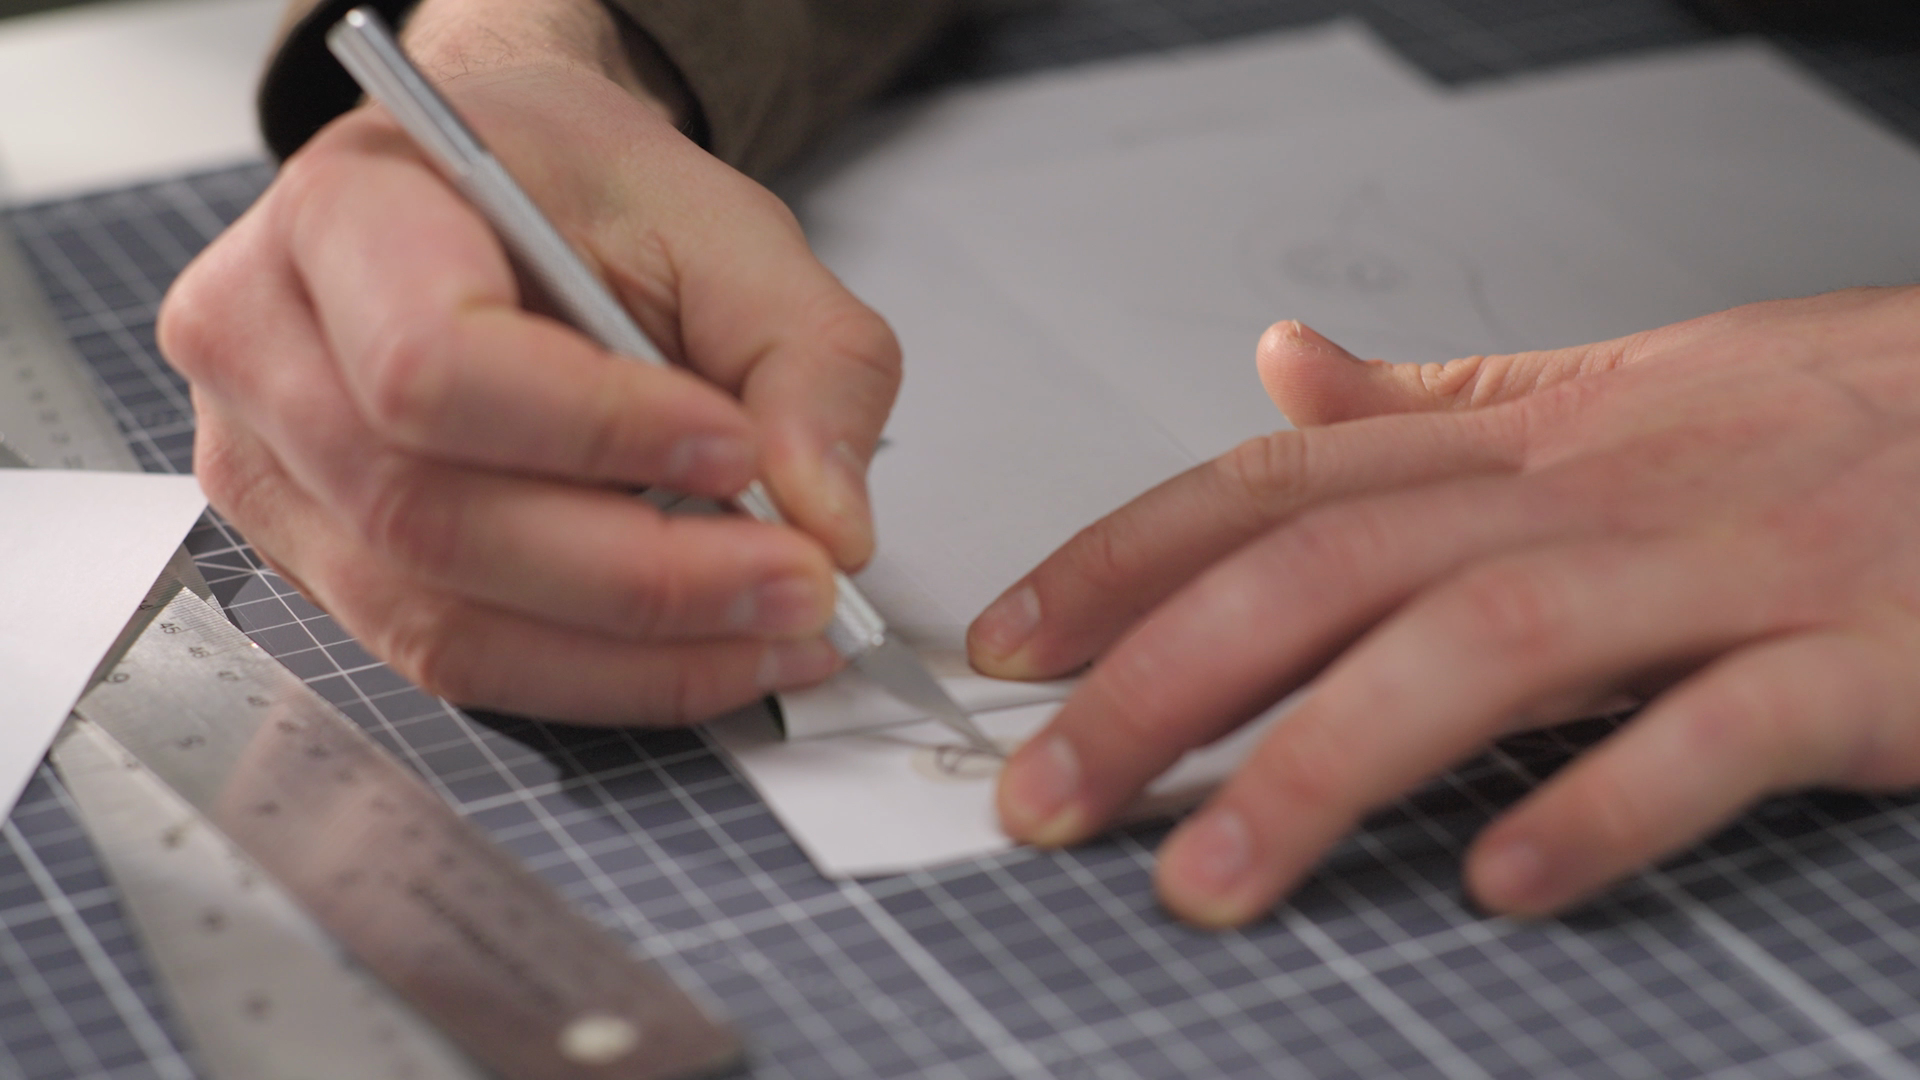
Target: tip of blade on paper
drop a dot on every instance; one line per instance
(900, 673)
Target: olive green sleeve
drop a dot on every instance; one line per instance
(771, 75)
(768, 76)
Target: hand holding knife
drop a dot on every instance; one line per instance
(364, 46)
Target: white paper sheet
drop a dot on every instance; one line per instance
(883, 802)
(998, 451)
(1091, 109)
(1000, 447)
(1415, 232)
(1727, 158)
(1740, 164)
(78, 550)
(1407, 233)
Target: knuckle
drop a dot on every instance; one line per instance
(303, 178)
(305, 189)
(234, 486)
(1880, 749)
(755, 199)
(408, 518)
(1512, 609)
(1302, 770)
(647, 605)
(199, 327)
(187, 329)
(423, 645)
(685, 694)
(1131, 686)
(1267, 475)
(857, 337)
(1104, 557)
(673, 694)
(1465, 381)
(1329, 551)
(1620, 821)
(604, 434)
(405, 377)
(1742, 720)
(228, 484)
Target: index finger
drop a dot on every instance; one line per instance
(421, 311)
(816, 368)
(1245, 633)
(1089, 592)
(1459, 665)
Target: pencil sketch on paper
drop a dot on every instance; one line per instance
(958, 762)
(1373, 275)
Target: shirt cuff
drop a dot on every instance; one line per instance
(304, 87)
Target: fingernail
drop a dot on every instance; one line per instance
(1007, 623)
(1306, 337)
(792, 664)
(1210, 855)
(709, 458)
(843, 478)
(846, 480)
(1038, 789)
(1513, 876)
(785, 605)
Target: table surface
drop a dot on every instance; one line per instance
(1784, 947)
(158, 86)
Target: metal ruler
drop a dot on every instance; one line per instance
(313, 910)
(263, 767)
(296, 1006)
(50, 413)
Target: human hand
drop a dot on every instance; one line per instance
(1724, 513)
(450, 475)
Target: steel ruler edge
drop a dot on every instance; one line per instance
(297, 1008)
(50, 412)
(254, 760)
(52, 415)
(260, 988)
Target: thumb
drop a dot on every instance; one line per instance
(1315, 382)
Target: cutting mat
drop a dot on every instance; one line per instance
(1788, 946)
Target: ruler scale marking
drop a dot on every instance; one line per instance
(475, 942)
(299, 1009)
(50, 413)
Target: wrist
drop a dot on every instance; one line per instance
(450, 39)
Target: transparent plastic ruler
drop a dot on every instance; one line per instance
(475, 945)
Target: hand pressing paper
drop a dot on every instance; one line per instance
(78, 551)
(865, 804)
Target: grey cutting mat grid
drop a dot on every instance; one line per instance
(1785, 947)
